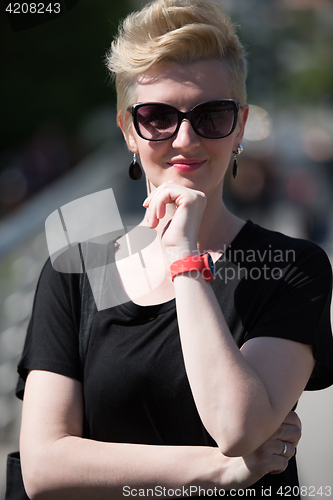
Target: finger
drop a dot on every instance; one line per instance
(293, 419)
(169, 193)
(284, 449)
(147, 201)
(157, 205)
(278, 464)
(152, 219)
(265, 461)
(289, 433)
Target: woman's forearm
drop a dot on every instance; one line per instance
(225, 388)
(231, 396)
(74, 467)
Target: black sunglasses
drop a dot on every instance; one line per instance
(156, 121)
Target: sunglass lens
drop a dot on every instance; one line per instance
(157, 122)
(214, 120)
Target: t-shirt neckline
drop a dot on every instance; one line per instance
(155, 309)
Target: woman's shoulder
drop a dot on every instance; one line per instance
(274, 246)
(54, 279)
(57, 295)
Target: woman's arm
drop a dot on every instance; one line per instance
(242, 396)
(58, 463)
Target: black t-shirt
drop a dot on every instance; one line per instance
(134, 380)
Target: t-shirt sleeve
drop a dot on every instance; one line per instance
(299, 310)
(52, 341)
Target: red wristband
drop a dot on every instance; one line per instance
(201, 263)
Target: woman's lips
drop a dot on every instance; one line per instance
(187, 165)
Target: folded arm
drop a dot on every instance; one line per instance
(57, 462)
(242, 396)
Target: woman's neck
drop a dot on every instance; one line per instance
(218, 228)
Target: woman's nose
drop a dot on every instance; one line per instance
(186, 138)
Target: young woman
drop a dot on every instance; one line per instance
(191, 384)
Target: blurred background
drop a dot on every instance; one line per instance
(59, 142)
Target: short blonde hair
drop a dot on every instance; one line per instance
(180, 31)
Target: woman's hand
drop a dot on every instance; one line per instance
(268, 457)
(181, 231)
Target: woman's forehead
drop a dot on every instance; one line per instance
(209, 77)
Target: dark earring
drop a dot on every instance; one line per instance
(235, 164)
(135, 171)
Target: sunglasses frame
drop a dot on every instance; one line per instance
(183, 116)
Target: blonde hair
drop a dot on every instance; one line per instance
(180, 31)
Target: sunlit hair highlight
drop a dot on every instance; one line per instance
(179, 31)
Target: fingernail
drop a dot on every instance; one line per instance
(145, 201)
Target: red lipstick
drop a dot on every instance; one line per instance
(187, 164)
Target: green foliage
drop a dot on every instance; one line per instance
(307, 86)
(55, 71)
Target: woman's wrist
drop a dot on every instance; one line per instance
(229, 473)
(178, 253)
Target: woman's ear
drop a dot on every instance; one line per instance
(128, 133)
(242, 119)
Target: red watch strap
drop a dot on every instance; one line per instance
(198, 263)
